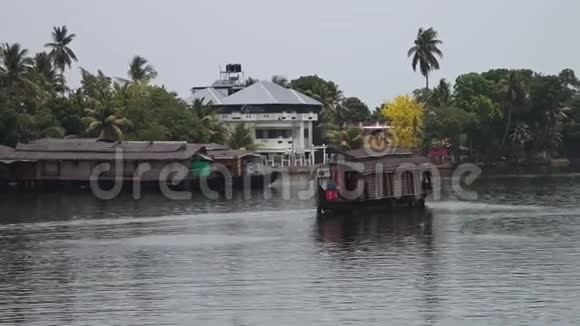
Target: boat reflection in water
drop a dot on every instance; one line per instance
(373, 227)
(393, 252)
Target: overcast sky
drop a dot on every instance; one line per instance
(361, 45)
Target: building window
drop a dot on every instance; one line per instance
(260, 134)
(305, 132)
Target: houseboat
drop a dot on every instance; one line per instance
(363, 179)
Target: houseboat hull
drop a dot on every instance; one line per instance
(326, 207)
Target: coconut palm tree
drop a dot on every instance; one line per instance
(44, 73)
(42, 64)
(554, 120)
(16, 80)
(61, 54)
(213, 130)
(346, 138)
(241, 138)
(425, 52)
(521, 134)
(104, 118)
(441, 95)
(140, 70)
(14, 63)
(515, 95)
(519, 137)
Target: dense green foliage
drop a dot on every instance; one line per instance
(338, 111)
(36, 102)
(241, 138)
(518, 115)
(346, 138)
(501, 114)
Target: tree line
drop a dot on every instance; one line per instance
(514, 115)
(36, 101)
(501, 114)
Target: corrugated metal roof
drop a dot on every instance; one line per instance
(206, 95)
(268, 93)
(81, 149)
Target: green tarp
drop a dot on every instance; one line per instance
(200, 168)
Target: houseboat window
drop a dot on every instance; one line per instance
(351, 180)
(408, 186)
(389, 185)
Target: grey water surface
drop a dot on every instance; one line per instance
(511, 257)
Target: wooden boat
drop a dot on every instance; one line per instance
(362, 179)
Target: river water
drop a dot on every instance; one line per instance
(510, 257)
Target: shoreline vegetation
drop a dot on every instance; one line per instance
(498, 118)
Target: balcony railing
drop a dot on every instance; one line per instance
(237, 116)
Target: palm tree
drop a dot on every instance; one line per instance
(519, 137)
(61, 54)
(44, 73)
(425, 52)
(441, 95)
(140, 70)
(241, 138)
(554, 120)
(104, 119)
(15, 77)
(14, 63)
(521, 134)
(42, 64)
(346, 138)
(515, 94)
(213, 130)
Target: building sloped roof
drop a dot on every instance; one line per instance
(83, 149)
(206, 95)
(214, 147)
(6, 152)
(268, 93)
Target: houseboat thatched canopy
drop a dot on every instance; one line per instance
(388, 159)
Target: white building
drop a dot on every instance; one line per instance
(282, 119)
